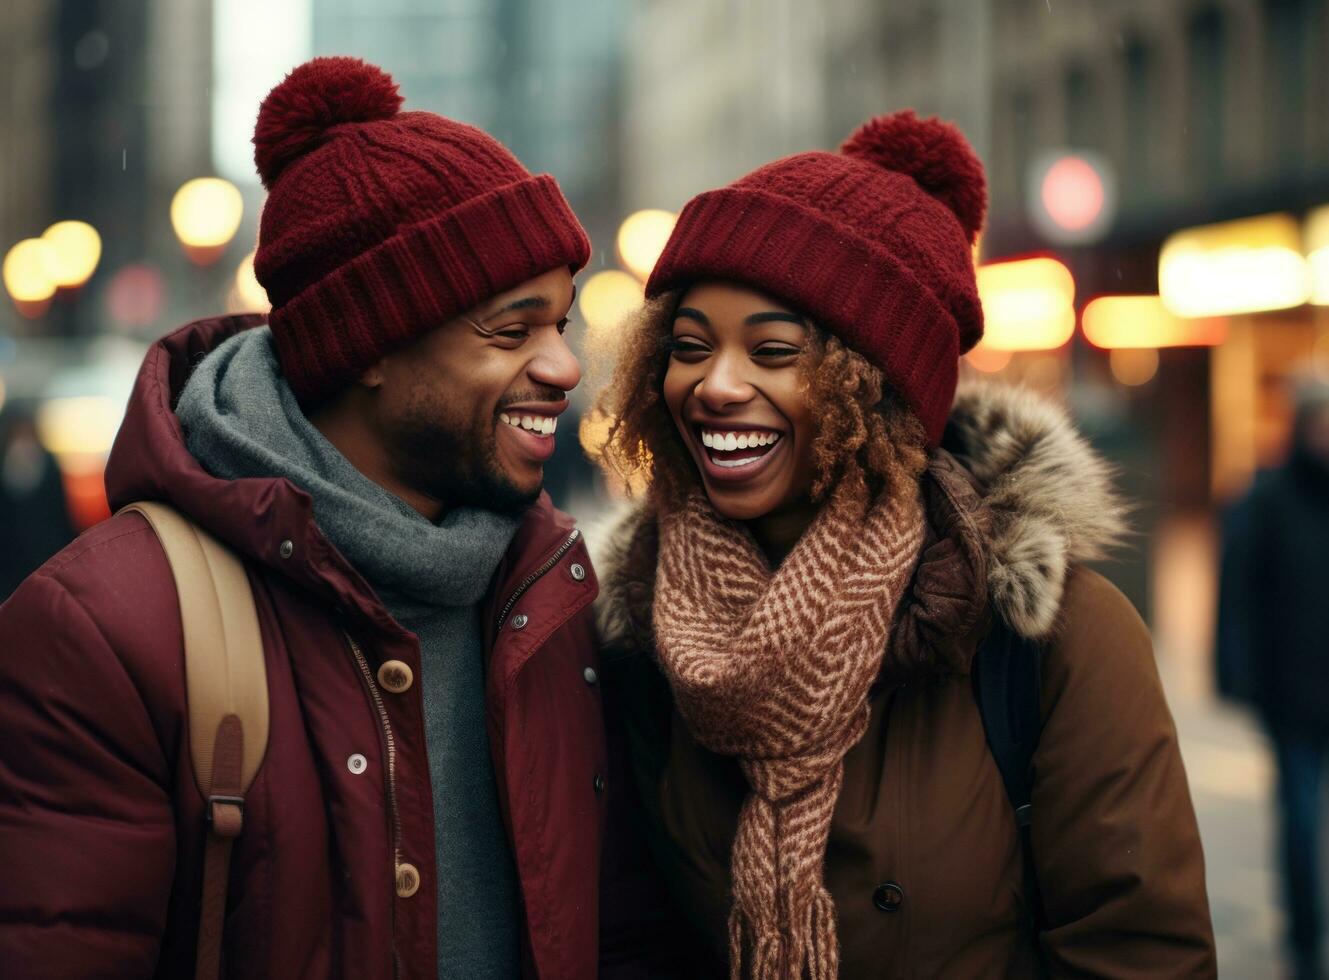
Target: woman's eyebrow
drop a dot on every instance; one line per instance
(691, 314)
(775, 316)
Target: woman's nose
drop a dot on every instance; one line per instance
(724, 384)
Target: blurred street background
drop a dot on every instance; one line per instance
(1156, 253)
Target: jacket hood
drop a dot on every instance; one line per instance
(1014, 497)
(253, 516)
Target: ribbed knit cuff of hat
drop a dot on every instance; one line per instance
(851, 286)
(420, 278)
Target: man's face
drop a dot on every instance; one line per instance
(467, 417)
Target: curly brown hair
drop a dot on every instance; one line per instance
(867, 441)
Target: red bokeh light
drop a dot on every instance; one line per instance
(1072, 193)
(136, 296)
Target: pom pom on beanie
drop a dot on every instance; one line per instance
(313, 98)
(934, 153)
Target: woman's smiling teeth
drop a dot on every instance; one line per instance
(729, 441)
(541, 425)
(752, 447)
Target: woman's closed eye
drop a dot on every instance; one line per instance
(773, 351)
(685, 346)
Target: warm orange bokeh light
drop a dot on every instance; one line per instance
(1120, 322)
(1028, 304)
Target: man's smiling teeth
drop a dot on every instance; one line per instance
(729, 441)
(543, 425)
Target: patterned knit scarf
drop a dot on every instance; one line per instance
(774, 669)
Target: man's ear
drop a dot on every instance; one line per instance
(373, 376)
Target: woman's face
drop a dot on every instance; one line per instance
(737, 396)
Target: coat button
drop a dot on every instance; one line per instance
(599, 783)
(888, 897)
(519, 620)
(357, 763)
(408, 880)
(395, 676)
(590, 675)
(578, 572)
(287, 548)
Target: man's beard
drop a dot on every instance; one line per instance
(457, 468)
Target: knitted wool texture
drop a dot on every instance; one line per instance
(873, 243)
(381, 225)
(774, 669)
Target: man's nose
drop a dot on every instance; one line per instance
(555, 365)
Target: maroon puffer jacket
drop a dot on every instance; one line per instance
(101, 826)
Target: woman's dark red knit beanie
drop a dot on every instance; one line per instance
(381, 225)
(873, 242)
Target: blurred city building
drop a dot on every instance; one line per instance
(133, 123)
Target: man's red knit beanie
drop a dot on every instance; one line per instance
(381, 225)
(874, 243)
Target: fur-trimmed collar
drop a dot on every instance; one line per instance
(1015, 498)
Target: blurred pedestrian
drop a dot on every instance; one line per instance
(34, 514)
(830, 545)
(429, 802)
(1273, 648)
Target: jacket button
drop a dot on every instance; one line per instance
(357, 763)
(395, 676)
(590, 675)
(286, 549)
(578, 572)
(519, 620)
(888, 897)
(599, 783)
(408, 880)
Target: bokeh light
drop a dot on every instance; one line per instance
(1028, 304)
(1245, 266)
(1143, 321)
(1073, 193)
(206, 214)
(76, 248)
(604, 300)
(247, 295)
(30, 272)
(1133, 366)
(986, 359)
(641, 239)
(136, 297)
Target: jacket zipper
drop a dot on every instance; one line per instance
(390, 747)
(535, 576)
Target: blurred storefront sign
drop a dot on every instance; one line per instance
(1028, 304)
(1317, 254)
(1260, 273)
(1139, 322)
(1245, 266)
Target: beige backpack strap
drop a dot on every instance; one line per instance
(227, 698)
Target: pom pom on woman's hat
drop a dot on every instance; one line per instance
(934, 153)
